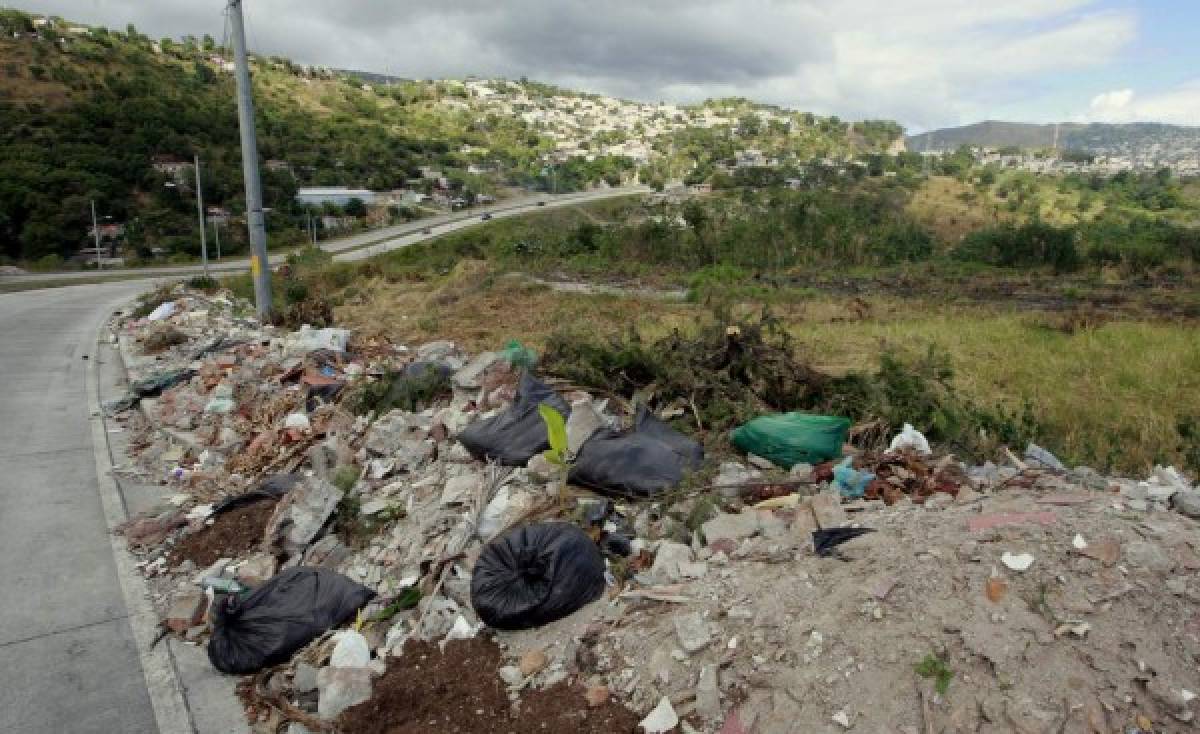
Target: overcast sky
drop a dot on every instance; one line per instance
(926, 63)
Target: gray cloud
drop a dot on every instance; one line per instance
(925, 62)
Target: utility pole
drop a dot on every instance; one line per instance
(259, 266)
(200, 211)
(96, 231)
(217, 234)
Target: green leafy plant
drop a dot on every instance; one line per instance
(556, 434)
(935, 667)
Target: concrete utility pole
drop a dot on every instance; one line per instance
(96, 231)
(203, 226)
(259, 266)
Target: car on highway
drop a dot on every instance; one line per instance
(486, 216)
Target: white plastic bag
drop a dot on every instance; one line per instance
(910, 438)
(164, 311)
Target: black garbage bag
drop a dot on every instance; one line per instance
(516, 435)
(641, 462)
(280, 617)
(271, 488)
(535, 574)
(155, 384)
(825, 541)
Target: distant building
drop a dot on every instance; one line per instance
(217, 215)
(338, 195)
(172, 168)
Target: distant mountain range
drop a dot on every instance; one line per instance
(1091, 137)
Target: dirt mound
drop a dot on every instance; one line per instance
(231, 535)
(425, 690)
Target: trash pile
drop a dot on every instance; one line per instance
(410, 538)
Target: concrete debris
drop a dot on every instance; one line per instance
(720, 617)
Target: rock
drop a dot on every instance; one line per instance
(708, 694)
(732, 476)
(257, 569)
(662, 719)
(669, 556)
(340, 688)
(581, 424)
(300, 515)
(507, 506)
(187, 611)
(759, 462)
(597, 696)
(470, 377)
(351, 650)
(804, 523)
(1037, 456)
(1187, 502)
(387, 433)
(692, 630)
(441, 352)
(532, 662)
(801, 472)
(459, 490)
(328, 552)
(1148, 556)
(827, 510)
(305, 680)
(697, 570)
(727, 526)
(511, 675)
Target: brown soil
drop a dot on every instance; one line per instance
(231, 535)
(459, 691)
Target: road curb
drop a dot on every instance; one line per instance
(158, 666)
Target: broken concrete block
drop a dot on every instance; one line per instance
(305, 679)
(581, 424)
(470, 377)
(387, 433)
(257, 569)
(662, 719)
(692, 630)
(459, 490)
(708, 694)
(827, 510)
(727, 526)
(340, 688)
(187, 611)
(669, 557)
(301, 514)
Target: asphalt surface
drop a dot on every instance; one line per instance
(68, 662)
(355, 247)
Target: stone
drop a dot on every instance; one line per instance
(759, 462)
(827, 510)
(257, 569)
(728, 526)
(581, 424)
(532, 662)
(540, 468)
(443, 352)
(340, 688)
(1148, 556)
(662, 719)
(801, 472)
(387, 433)
(305, 679)
(692, 630)
(187, 611)
(708, 694)
(470, 377)
(732, 475)
(300, 515)
(351, 650)
(1187, 502)
(511, 675)
(597, 695)
(669, 556)
(459, 490)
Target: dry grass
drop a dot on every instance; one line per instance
(950, 209)
(1108, 393)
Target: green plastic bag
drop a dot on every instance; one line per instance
(787, 439)
(519, 355)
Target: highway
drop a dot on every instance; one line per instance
(354, 247)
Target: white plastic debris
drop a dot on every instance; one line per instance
(910, 438)
(200, 512)
(164, 311)
(297, 420)
(1017, 561)
(309, 339)
(461, 630)
(1078, 542)
(662, 719)
(351, 651)
(842, 718)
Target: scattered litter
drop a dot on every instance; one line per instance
(995, 589)
(849, 481)
(1017, 561)
(910, 439)
(640, 463)
(827, 539)
(165, 310)
(1078, 542)
(662, 719)
(517, 434)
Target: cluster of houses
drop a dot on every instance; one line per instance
(1183, 161)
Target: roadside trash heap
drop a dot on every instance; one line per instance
(339, 515)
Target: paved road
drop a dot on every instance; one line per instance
(365, 244)
(68, 662)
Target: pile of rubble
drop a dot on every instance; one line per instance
(1033, 597)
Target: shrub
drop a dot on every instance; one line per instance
(1033, 244)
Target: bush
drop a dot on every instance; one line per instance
(1033, 244)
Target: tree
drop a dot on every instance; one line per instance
(209, 44)
(355, 208)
